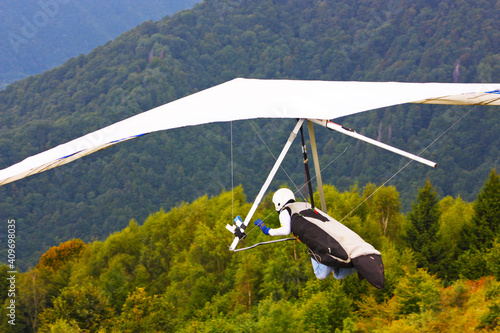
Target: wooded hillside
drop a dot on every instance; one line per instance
(216, 41)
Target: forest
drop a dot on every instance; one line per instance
(174, 273)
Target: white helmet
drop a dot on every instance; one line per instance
(282, 197)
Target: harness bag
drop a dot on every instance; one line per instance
(329, 241)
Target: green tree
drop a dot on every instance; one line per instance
(493, 259)
(385, 208)
(84, 306)
(144, 313)
(478, 237)
(455, 216)
(485, 223)
(278, 316)
(37, 288)
(423, 225)
(325, 311)
(417, 292)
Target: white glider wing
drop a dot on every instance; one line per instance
(252, 98)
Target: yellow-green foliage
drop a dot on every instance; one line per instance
(175, 273)
(465, 306)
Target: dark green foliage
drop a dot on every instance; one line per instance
(4, 283)
(485, 223)
(423, 225)
(85, 306)
(490, 319)
(479, 239)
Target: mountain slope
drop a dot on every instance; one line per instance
(218, 40)
(39, 35)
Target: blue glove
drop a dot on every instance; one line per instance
(262, 226)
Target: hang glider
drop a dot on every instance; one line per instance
(239, 99)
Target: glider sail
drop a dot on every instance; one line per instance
(241, 99)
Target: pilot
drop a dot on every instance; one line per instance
(333, 247)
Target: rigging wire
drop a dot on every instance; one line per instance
(323, 168)
(274, 156)
(401, 169)
(300, 189)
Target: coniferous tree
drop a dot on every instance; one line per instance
(423, 225)
(477, 239)
(485, 223)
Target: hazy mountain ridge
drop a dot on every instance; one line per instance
(39, 35)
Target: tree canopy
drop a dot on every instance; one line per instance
(175, 273)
